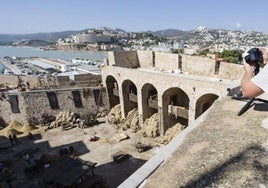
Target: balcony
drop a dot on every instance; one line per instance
(178, 111)
(133, 97)
(116, 92)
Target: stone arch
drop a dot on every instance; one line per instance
(175, 108)
(149, 101)
(129, 96)
(203, 103)
(113, 92)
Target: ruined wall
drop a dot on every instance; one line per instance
(198, 65)
(13, 80)
(145, 59)
(88, 80)
(63, 81)
(36, 103)
(231, 71)
(166, 61)
(127, 59)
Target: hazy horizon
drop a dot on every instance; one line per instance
(45, 16)
(122, 29)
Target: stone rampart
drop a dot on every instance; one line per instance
(127, 59)
(231, 71)
(198, 65)
(145, 59)
(193, 65)
(36, 103)
(166, 61)
(88, 80)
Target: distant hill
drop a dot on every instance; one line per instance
(51, 37)
(169, 33)
(202, 37)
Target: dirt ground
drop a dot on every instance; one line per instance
(100, 151)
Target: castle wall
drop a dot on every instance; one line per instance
(166, 61)
(198, 65)
(201, 78)
(36, 103)
(193, 65)
(145, 59)
(231, 71)
(193, 86)
(127, 59)
(13, 80)
(88, 80)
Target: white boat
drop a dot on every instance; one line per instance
(7, 71)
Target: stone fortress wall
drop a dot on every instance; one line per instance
(33, 104)
(178, 88)
(33, 100)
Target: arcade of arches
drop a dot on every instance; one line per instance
(172, 105)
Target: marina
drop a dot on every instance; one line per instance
(34, 61)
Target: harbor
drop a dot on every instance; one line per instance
(38, 63)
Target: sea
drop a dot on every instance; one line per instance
(55, 54)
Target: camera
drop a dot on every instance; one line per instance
(253, 58)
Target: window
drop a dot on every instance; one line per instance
(53, 100)
(97, 97)
(14, 102)
(77, 99)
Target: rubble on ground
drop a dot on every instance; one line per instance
(132, 121)
(16, 128)
(150, 127)
(114, 116)
(120, 137)
(89, 119)
(102, 112)
(171, 133)
(66, 118)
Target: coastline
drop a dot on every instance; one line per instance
(26, 51)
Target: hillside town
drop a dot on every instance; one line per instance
(190, 42)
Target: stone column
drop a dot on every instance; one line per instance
(140, 106)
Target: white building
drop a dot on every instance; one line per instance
(58, 64)
(91, 38)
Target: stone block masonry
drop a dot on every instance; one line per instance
(36, 103)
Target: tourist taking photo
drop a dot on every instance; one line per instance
(254, 83)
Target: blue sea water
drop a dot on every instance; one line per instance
(1, 68)
(56, 54)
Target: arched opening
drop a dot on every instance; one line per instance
(203, 103)
(129, 96)
(112, 89)
(149, 101)
(175, 108)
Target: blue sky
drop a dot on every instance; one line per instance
(32, 16)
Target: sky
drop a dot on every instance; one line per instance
(34, 16)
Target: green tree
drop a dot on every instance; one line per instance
(204, 52)
(232, 56)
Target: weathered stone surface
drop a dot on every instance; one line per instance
(225, 150)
